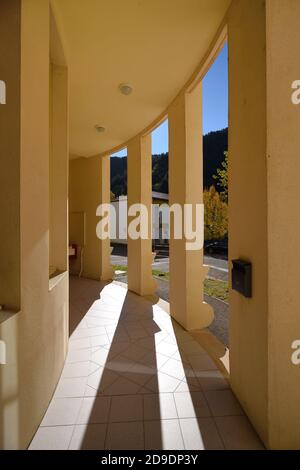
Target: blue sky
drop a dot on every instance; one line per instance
(215, 104)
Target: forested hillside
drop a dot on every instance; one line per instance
(214, 145)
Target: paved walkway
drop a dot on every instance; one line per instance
(134, 379)
(220, 324)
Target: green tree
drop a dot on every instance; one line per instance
(215, 215)
(222, 177)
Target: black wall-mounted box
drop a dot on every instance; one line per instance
(241, 277)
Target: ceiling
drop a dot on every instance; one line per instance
(154, 45)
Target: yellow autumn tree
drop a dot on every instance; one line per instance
(215, 215)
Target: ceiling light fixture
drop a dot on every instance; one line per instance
(99, 128)
(125, 89)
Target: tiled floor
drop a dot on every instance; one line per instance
(134, 379)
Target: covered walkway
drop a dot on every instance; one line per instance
(134, 379)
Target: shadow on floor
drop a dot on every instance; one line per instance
(82, 295)
(134, 379)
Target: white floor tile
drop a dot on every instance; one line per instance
(154, 359)
(212, 380)
(78, 355)
(120, 364)
(191, 347)
(88, 437)
(52, 438)
(100, 340)
(162, 383)
(223, 403)
(88, 332)
(173, 368)
(74, 387)
(94, 410)
(122, 386)
(191, 405)
(237, 433)
(166, 349)
(126, 408)
(153, 382)
(164, 435)
(125, 436)
(159, 406)
(62, 411)
(100, 356)
(190, 386)
(101, 378)
(200, 434)
(140, 373)
(77, 369)
(80, 343)
(201, 362)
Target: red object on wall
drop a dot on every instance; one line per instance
(73, 251)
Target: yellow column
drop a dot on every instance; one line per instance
(106, 271)
(139, 171)
(264, 197)
(187, 272)
(58, 168)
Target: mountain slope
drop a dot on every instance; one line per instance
(214, 145)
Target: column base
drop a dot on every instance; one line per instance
(108, 275)
(148, 288)
(195, 317)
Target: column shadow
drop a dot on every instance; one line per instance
(145, 388)
(120, 369)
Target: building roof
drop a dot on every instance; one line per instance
(155, 195)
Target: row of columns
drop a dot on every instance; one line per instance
(264, 147)
(187, 272)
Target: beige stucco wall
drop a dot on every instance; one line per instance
(85, 196)
(264, 199)
(283, 168)
(10, 152)
(264, 196)
(36, 337)
(248, 205)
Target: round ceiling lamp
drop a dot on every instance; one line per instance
(99, 129)
(125, 89)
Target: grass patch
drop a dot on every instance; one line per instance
(212, 287)
(119, 267)
(216, 288)
(160, 274)
(155, 272)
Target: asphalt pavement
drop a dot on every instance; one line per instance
(218, 268)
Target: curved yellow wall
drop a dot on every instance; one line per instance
(36, 336)
(263, 225)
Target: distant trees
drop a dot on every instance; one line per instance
(214, 146)
(215, 163)
(160, 173)
(215, 215)
(216, 204)
(222, 177)
(118, 171)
